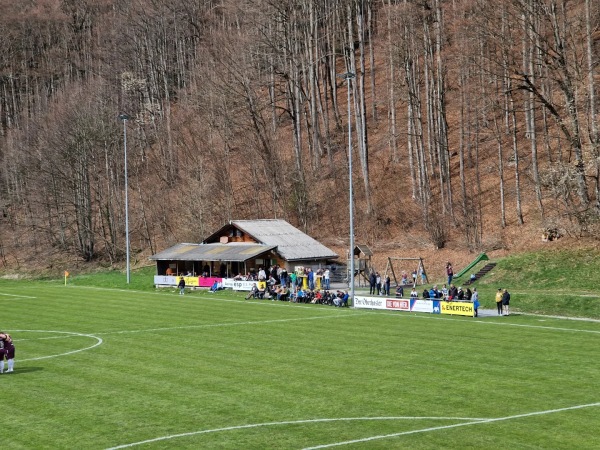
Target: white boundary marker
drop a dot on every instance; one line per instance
(69, 333)
(470, 421)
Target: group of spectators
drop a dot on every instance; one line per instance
(262, 290)
(277, 275)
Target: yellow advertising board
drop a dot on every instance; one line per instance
(458, 308)
(191, 281)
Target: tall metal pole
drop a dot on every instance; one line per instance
(125, 118)
(349, 76)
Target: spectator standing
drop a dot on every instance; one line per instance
(283, 277)
(449, 272)
(293, 277)
(181, 286)
(378, 282)
(311, 279)
(326, 276)
(452, 292)
(505, 301)
(475, 300)
(414, 293)
(388, 281)
(372, 283)
(262, 275)
(444, 292)
(499, 301)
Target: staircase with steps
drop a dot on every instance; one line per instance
(485, 269)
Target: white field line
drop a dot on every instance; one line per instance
(481, 322)
(201, 296)
(581, 319)
(360, 312)
(468, 421)
(70, 334)
(445, 427)
(230, 324)
(287, 422)
(183, 327)
(16, 295)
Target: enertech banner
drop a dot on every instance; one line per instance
(458, 308)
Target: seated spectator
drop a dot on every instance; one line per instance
(300, 296)
(262, 289)
(214, 287)
(318, 299)
(404, 279)
(337, 298)
(399, 291)
(344, 299)
(309, 296)
(238, 277)
(433, 292)
(414, 293)
(253, 292)
(425, 293)
(271, 281)
(472, 277)
(460, 295)
(282, 293)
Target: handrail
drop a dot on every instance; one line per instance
(481, 257)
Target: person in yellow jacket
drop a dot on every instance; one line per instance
(499, 301)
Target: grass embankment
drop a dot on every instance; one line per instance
(549, 282)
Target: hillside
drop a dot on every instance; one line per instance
(473, 125)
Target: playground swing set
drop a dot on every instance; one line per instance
(409, 274)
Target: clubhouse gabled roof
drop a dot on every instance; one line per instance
(292, 244)
(212, 252)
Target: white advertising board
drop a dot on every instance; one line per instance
(237, 285)
(165, 280)
(397, 304)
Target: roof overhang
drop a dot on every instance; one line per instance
(212, 252)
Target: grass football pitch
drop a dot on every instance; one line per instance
(109, 368)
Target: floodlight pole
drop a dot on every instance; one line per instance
(125, 118)
(349, 76)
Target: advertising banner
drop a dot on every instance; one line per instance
(397, 304)
(458, 308)
(425, 306)
(237, 285)
(369, 302)
(400, 304)
(204, 281)
(168, 280)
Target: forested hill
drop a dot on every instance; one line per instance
(471, 120)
